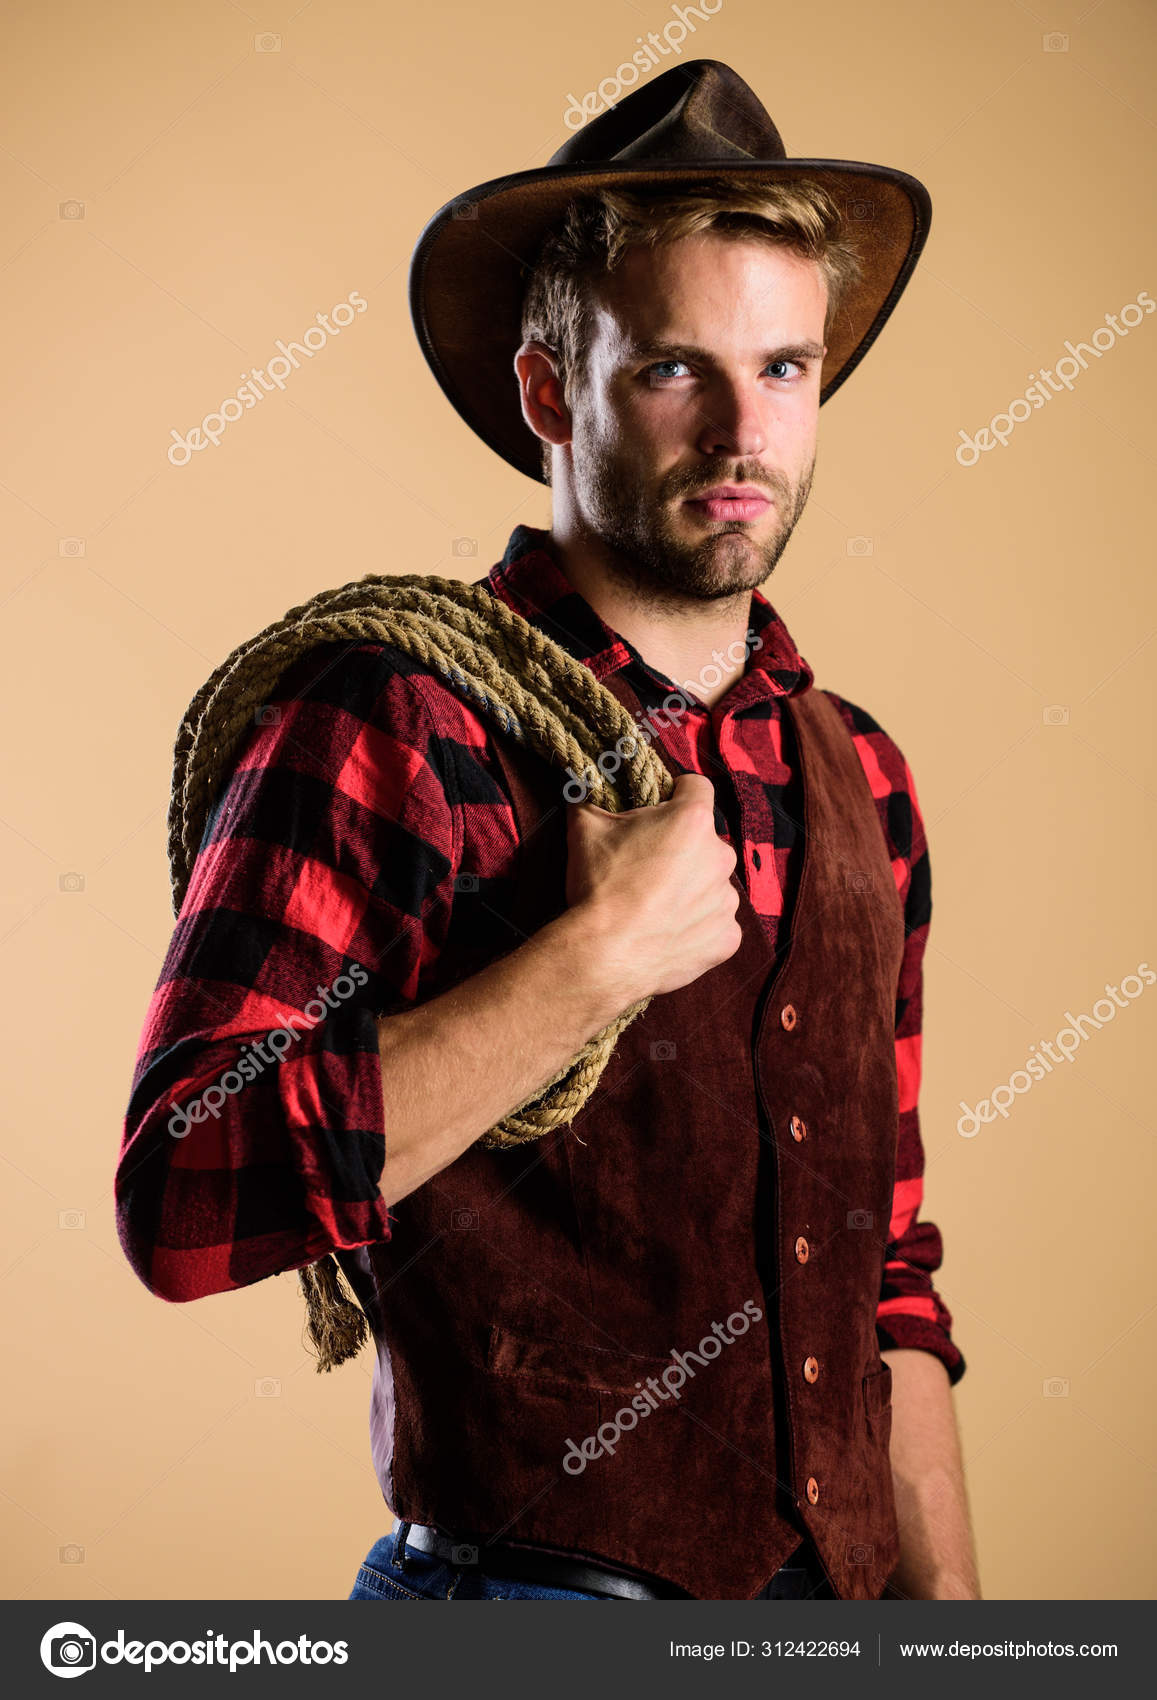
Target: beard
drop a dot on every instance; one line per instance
(645, 548)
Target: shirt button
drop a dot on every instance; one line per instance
(811, 1369)
(813, 1489)
(801, 1249)
(787, 1016)
(798, 1128)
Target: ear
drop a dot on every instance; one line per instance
(540, 388)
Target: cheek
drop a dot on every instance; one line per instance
(616, 430)
(650, 420)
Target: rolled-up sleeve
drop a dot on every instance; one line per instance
(911, 1312)
(255, 1136)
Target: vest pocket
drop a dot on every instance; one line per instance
(878, 1401)
(594, 1369)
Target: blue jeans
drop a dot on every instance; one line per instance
(428, 1578)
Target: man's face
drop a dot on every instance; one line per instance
(703, 370)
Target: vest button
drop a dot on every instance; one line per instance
(811, 1369)
(801, 1249)
(813, 1489)
(787, 1016)
(798, 1128)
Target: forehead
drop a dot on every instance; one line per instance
(704, 284)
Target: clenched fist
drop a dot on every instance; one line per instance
(654, 885)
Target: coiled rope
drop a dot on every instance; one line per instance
(526, 685)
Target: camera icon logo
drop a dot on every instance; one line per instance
(860, 1218)
(464, 547)
(267, 715)
(663, 1050)
(860, 546)
(465, 882)
(67, 1649)
(464, 1555)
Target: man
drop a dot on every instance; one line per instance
(710, 1295)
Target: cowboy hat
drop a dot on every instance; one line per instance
(695, 123)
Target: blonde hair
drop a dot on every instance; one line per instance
(601, 227)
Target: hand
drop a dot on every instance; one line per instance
(654, 888)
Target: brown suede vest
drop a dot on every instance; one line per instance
(650, 1338)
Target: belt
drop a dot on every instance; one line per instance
(521, 1564)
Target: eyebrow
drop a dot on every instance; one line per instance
(653, 349)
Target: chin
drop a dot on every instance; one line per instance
(734, 548)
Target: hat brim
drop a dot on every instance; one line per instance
(470, 265)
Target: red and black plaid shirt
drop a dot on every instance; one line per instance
(363, 827)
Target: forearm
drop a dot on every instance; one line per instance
(455, 1066)
(937, 1551)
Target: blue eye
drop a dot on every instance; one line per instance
(654, 369)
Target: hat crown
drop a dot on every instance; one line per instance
(699, 111)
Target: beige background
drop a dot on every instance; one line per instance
(228, 194)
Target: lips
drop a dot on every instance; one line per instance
(731, 506)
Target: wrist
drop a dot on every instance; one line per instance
(594, 964)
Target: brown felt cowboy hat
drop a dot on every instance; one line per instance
(694, 123)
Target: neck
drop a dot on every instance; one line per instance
(688, 639)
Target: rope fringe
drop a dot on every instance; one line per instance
(335, 1323)
(529, 688)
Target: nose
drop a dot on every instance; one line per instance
(732, 421)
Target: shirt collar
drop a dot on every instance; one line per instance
(530, 580)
